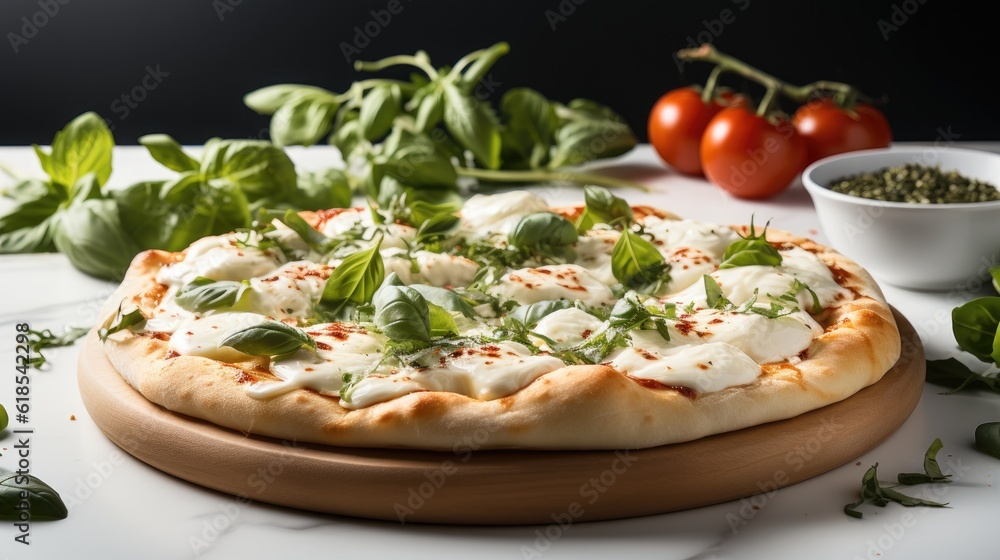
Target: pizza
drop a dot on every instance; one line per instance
(525, 326)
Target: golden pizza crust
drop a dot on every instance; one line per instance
(575, 407)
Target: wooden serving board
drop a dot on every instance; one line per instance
(502, 487)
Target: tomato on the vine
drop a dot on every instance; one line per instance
(829, 129)
(749, 155)
(677, 122)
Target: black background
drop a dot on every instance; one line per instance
(931, 69)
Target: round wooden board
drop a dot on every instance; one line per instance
(502, 487)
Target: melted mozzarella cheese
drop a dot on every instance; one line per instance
(290, 292)
(203, 336)
(484, 214)
(439, 270)
(567, 326)
(340, 350)
(218, 258)
(557, 281)
(593, 252)
(706, 368)
(395, 236)
(764, 340)
(711, 239)
(687, 266)
(484, 373)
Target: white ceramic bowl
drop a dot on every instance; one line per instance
(922, 246)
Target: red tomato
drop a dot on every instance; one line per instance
(749, 156)
(829, 130)
(676, 124)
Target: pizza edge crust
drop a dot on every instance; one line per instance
(575, 407)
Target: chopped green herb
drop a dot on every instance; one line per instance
(919, 184)
(874, 493)
(932, 472)
(988, 438)
(47, 339)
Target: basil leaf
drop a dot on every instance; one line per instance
(932, 471)
(975, 325)
(988, 438)
(473, 125)
(546, 235)
(121, 321)
(435, 227)
(378, 109)
(995, 273)
(484, 60)
(4, 419)
(638, 265)
(267, 100)
(270, 338)
(42, 502)
(421, 165)
(751, 250)
(204, 294)
(578, 142)
(791, 296)
(291, 219)
(169, 153)
(430, 111)
(530, 315)
(90, 234)
(874, 493)
(714, 296)
(28, 190)
(259, 169)
(531, 123)
(602, 207)
(413, 206)
(303, 120)
(354, 282)
(347, 136)
(445, 298)
(83, 146)
(28, 227)
(402, 314)
(321, 190)
(440, 321)
(587, 109)
(953, 373)
(43, 339)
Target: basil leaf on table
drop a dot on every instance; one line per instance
(988, 438)
(42, 502)
(953, 373)
(353, 282)
(121, 321)
(638, 265)
(204, 294)
(321, 190)
(874, 493)
(91, 235)
(602, 207)
(83, 146)
(28, 227)
(259, 169)
(751, 250)
(45, 338)
(168, 152)
(531, 123)
(975, 325)
(473, 125)
(581, 141)
(270, 338)
(545, 234)
(932, 471)
(304, 120)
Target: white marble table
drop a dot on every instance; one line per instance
(120, 508)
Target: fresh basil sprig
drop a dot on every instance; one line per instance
(602, 207)
(951, 372)
(874, 493)
(638, 265)
(545, 235)
(270, 338)
(43, 502)
(988, 438)
(204, 294)
(751, 250)
(402, 314)
(121, 321)
(783, 305)
(353, 282)
(628, 314)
